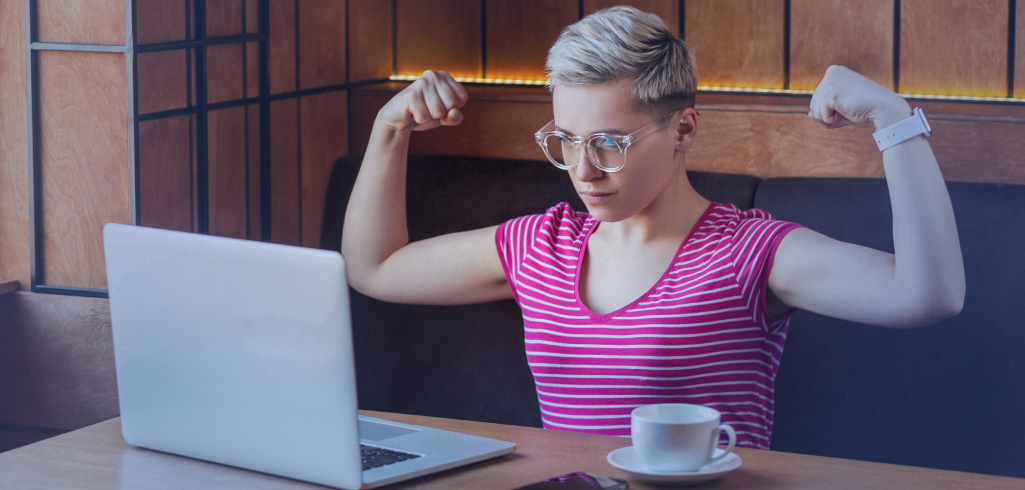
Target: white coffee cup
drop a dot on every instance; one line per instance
(674, 437)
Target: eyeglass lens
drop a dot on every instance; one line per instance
(604, 152)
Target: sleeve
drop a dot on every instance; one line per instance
(513, 239)
(752, 249)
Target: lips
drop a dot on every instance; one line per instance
(596, 198)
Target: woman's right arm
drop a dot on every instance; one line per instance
(457, 268)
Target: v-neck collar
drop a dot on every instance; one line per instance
(592, 224)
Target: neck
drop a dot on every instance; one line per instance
(670, 216)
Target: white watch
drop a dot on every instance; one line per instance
(903, 130)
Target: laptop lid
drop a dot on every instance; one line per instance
(234, 351)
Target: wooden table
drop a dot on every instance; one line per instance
(96, 457)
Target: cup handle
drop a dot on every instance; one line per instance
(729, 448)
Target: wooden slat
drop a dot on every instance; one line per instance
(286, 209)
(56, 361)
(84, 146)
(738, 43)
(224, 72)
(776, 140)
(159, 21)
(252, 16)
(81, 21)
(439, 35)
(667, 10)
(163, 80)
(370, 39)
(14, 220)
(520, 32)
(224, 18)
(195, 174)
(494, 125)
(252, 69)
(1019, 49)
(165, 174)
(227, 170)
(281, 59)
(253, 117)
(954, 47)
(321, 43)
(324, 141)
(858, 35)
(8, 286)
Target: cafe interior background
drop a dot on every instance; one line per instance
(227, 117)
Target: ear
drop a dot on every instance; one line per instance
(686, 126)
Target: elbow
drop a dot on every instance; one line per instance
(934, 307)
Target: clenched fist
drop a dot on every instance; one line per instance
(844, 97)
(432, 100)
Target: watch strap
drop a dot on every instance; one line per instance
(904, 130)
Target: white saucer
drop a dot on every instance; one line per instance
(627, 460)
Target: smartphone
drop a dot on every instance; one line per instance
(577, 481)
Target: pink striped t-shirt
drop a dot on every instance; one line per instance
(700, 335)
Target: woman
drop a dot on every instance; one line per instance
(656, 294)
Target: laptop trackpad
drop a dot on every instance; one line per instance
(375, 431)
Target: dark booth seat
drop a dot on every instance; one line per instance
(947, 396)
(950, 395)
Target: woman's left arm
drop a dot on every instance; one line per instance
(923, 281)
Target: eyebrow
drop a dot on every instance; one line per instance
(608, 131)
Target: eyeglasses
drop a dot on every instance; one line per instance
(606, 151)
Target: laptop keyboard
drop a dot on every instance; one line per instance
(374, 457)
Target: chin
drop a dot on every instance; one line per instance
(607, 214)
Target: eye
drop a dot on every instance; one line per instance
(606, 143)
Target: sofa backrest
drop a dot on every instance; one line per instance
(465, 362)
(950, 395)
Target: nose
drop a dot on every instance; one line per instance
(585, 169)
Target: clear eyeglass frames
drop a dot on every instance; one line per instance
(606, 151)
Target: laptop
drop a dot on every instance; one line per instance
(240, 353)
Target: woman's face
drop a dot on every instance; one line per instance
(650, 163)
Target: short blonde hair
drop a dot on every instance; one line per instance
(623, 43)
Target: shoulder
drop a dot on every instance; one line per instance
(558, 222)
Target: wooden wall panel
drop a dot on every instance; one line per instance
(774, 139)
(165, 174)
(1019, 50)
(227, 170)
(325, 139)
(370, 39)
(252, 69)
(439, 35)
(321, 43)
(281, 59)
(84, 161)
(160, 21)
(858, 35)
(499, 124)
(14, 221)
(224, 18)
(285, 184)
(954, 47)
(253, 164)
(163, 80)
(667, 10)
(784, 142)
(252, 16)
(81, 21)
(224, 72)
(520, 32)
(738, 43)
(56, 361)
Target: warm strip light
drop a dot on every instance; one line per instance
(490, 81)
(705, 88)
